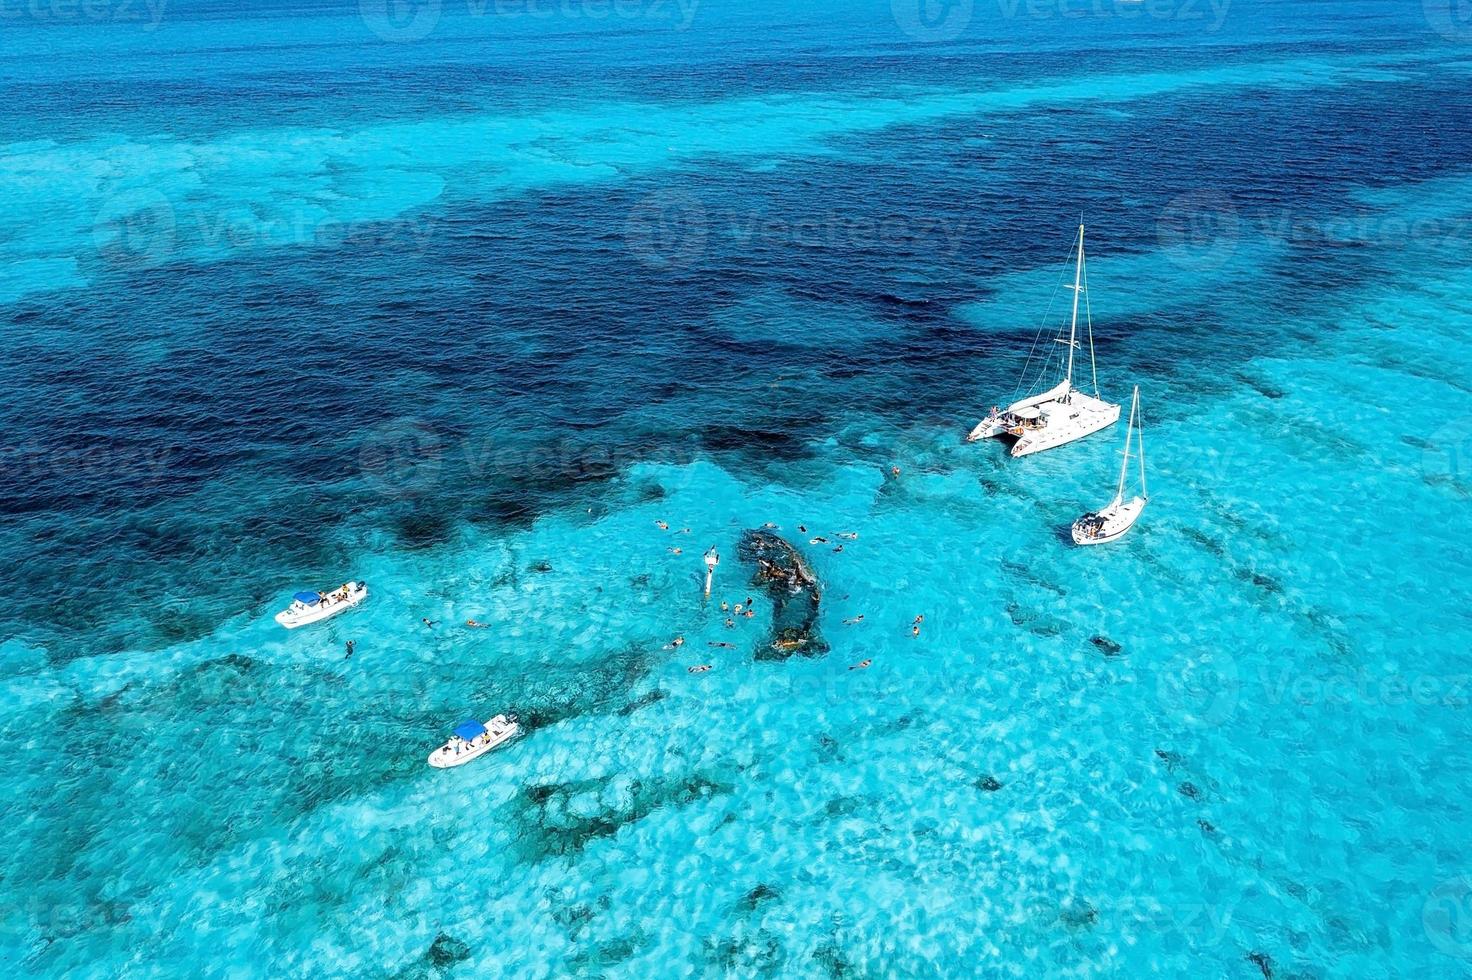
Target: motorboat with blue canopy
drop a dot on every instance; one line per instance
(471, 740)
(313, 607)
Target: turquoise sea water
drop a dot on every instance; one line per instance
(462, 300)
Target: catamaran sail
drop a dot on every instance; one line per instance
(1063, 412)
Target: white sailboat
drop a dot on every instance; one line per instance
(1111, 522)
(1063, 413)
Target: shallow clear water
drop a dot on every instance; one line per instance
(465, 314)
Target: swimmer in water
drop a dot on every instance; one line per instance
(769, 524)
(661, 525)
(919, 619)
(701, 669)
(676, 551)
(838, 550)
(725, 606)
(818, 540)
(730, 623)
(684, 530)
(849, 535)
(476, 625)
(915, 631)
(861, 665)
(721, 646)
(802, 529)
(675, 644)
(894, 471)
(350, 651)
(749, 613)
(427, 623)
(857, 619)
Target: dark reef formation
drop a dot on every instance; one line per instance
(794, 591)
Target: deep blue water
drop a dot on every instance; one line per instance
(287, 301)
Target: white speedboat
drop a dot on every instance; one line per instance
(313, 607)
(1110, 523)
(472, 740)
(1063, 413)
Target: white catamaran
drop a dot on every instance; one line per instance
(1063, 413)
(1111, 522)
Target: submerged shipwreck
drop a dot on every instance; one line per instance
(794, 591)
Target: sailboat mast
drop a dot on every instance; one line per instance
(1124, 465)
(1143, 492)
(1078, 277)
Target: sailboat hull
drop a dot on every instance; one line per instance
(1116, 521)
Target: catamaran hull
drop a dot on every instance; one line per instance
(986, 429)
(1062, 423)
(1118, 519)
(1069, 428)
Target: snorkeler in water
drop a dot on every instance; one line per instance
(861, 665)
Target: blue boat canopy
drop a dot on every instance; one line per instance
(310, 598)
(470, 729)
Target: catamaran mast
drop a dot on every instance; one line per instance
(1078, 276)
